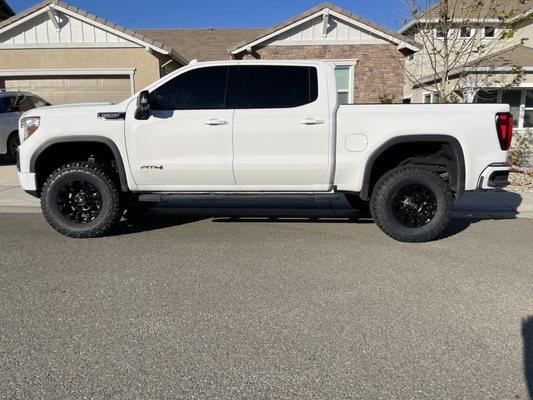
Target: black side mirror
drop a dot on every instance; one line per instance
(143, 106)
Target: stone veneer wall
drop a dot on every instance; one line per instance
(378, 68)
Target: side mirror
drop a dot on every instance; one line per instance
(143, 106)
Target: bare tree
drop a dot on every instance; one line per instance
(457, 38)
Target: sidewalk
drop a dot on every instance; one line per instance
(484, 205)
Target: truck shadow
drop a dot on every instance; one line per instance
(472, 208)
(527, 336)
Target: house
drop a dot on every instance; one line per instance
(368, 56)
(5, 10)
(501, 72)
(68, 55)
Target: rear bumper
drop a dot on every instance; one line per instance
(494, 176)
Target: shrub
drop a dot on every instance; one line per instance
(520, 152)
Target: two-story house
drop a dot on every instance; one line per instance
(499, 69)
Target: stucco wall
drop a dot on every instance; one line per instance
(378, 68)
(147, 65)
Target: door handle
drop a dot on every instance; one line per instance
(311, 121)
(215, 121)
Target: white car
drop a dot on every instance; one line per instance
(12, 105)
(263, 127)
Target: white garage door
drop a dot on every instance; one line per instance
(75, 89)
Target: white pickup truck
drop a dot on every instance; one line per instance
(261, 127)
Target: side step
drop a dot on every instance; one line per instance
(172, 197)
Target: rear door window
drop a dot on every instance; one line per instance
(273, 86)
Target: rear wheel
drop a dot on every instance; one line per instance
(13, 142)
(411, 204)
(81, 200)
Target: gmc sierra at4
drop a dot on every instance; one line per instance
(260, 127)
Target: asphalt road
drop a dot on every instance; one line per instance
(262, 309)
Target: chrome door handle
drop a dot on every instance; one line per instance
(311, 121)
(215, 121)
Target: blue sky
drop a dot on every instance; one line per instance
(222, 14)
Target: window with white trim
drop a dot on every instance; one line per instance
(520, 101)
(345, 76)
(465, 32)
(490, 32)
(431, 98)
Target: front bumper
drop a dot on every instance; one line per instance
(494, 176)
(28, 182)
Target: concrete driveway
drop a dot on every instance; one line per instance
(170, 307)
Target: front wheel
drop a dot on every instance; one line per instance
(81, 200)
(411, 204)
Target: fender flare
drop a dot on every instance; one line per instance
(85, 139)
(457, 152)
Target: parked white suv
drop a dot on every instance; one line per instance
(12, 105)
(263, 127)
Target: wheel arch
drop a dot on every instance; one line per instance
(110, 144)
(456, 150)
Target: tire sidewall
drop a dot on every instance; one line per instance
(52, 196)
(384, 215)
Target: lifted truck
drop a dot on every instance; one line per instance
(260, 127)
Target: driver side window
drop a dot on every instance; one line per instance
(199, 89)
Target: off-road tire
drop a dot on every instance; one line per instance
(358, 203)
(96, 175)
(13, 142)
(390, 184)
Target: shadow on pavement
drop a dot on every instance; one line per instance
(527, 335)
(500, 202)
(472, 208)
(149, 222)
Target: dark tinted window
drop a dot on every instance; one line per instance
(266, 86)
(202, 88)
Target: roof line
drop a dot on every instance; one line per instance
(413, 22)
(294, 20)
(200, 29)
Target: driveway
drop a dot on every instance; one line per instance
(251, 308)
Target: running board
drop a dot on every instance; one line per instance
(171, 197)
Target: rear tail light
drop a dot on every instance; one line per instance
(504, 126)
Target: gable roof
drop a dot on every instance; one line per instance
(5, 9)
(462, 11)
(202, 44)
(506, 60)
(515, 56)
(358, 20)
(128, 33)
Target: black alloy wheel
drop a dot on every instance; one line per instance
(414, 205)
(79, 201)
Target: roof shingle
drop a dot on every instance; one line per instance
(201, 44)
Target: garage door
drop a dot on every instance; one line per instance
(75, 89)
